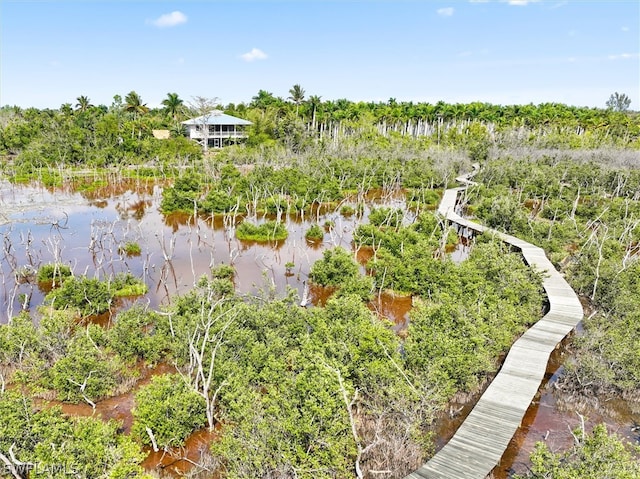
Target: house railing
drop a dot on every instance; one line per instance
(218, 134)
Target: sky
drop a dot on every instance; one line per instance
(497, 51)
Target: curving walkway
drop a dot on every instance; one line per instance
(479, 443)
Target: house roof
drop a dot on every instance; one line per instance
(216, 117)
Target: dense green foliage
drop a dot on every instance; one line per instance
(97, 136)
(470, 315)
(280, 368)
(55, 273)
(86, 295)
(594, 456)
(586, 216)
(338, 269)
(314, 233)
(279, 184)
(83, 373)
(77, 363)
(170, 409)
(59, 447)
(121, 133)
(391, 217)
(313, 392)
(268, 231)
(90, 296)
(132, 336)
(336, 266)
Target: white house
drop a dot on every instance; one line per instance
(216, 129)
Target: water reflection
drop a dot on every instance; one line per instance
(87, 230)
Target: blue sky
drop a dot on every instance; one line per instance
(503, 52)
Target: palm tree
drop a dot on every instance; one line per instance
(133, 103)
(297, 95)
(83, 103)
(263, 99)
(173, 104)
(66, 109)
(314, 103)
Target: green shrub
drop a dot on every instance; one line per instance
(347, 210)
(88, 446)
(125, 284)
(218, 201)
(223, 271)
(218, 287)
(391, 217)
(314, 233)
(131, 248)
(184, 194)
(425, 196)
(269, 231)
(132, 335)
(336, 264)
(598, 454)
(338, 268)
(87, 296)
(170, 409)
(55, 272)
(92, 296)
(82, 373)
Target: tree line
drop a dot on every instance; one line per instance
(83, 133)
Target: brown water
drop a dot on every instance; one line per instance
(549, 419)
(117, 407)
(178, 461)
(86, 229)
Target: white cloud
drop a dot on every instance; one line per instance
(169, 19)
(478, 1)
(254, 54)
(520, 3)
(624, 56)
(445, 12)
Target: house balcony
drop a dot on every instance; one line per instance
(199, 135)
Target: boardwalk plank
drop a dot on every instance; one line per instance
(480, 441)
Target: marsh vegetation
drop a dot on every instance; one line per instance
(140, 274)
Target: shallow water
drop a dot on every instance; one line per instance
(86, 229)
(546, 420)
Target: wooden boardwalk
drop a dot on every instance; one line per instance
(479, 443)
